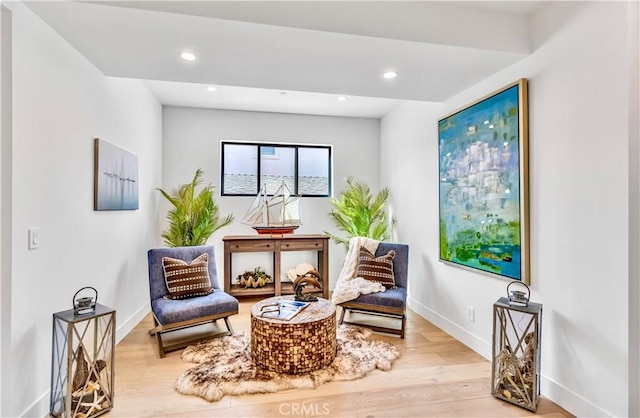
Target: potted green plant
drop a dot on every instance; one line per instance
(194, 216)
(357, 212)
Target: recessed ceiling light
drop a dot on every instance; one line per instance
(390, 74)
(211, 88)
(188, 56)
(283, 93)
(342, 98)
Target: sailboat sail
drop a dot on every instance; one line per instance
(280, 212)
(255, 214)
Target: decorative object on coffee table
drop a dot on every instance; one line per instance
(302, 281)
(283, 309)
(517, 323)
(225, 366)
(305, 343)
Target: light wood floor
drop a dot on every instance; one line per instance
(436, 376)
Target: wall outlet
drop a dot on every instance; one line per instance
(471, 314)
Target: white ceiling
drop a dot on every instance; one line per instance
(314, 51)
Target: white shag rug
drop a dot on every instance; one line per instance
(225, 366)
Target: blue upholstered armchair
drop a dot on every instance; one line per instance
(391, 302)
(171, 314)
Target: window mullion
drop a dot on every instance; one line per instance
(295, 172)
(329, 172)
(259, 169)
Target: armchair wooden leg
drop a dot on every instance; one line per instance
(160, 347)
(404, 320)
(156, 327)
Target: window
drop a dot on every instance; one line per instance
(305, 169)
(268, 151)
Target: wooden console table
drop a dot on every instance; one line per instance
(275, 245)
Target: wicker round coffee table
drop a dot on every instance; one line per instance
(305, 343)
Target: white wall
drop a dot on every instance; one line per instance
(5, 203)
(192, 140)
(634, 209)
(579, 176)
(60, 103)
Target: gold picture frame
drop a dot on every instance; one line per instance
(483, 163)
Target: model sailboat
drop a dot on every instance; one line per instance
(277, 214)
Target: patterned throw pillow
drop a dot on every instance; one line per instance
(376, 269)
(187, 280)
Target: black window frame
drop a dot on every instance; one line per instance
(296, 175)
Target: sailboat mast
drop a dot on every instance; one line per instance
(282, 208)
(266, 206)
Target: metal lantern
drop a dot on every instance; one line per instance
(515, 375)
(82, 369)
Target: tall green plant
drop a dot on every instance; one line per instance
(357, 212)
(194, 217)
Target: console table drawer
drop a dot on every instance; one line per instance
(302, 244)
(252, 246)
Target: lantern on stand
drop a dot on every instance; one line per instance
(515, 376)
(82, 359)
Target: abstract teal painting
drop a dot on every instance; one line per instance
(483, 175)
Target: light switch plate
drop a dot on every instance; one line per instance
(34, 238)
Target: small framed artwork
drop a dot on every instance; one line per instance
(115, 179)
(483, 193)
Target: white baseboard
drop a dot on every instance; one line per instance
(130, 323)
(569, 400)
(550, 389)
(39, 408)
(472, 341)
